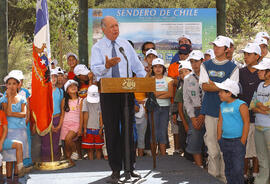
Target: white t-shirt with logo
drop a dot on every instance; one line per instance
(162, 85)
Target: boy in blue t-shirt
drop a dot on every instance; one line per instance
(215, 70)
(232, 131)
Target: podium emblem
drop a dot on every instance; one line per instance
(128, 84)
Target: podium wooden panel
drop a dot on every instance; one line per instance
(127, 85)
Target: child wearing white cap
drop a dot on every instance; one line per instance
(60, 77)
(151, 54)
(215, 70)
(209, 54)
(72, 61)
(54, 63)
(181, 118)
(262, 42)
(232, 131)
(164, 91)
(230, 52)
(14, 106)
(27, 162)
(58, 95)
(261, 106)
(184, 39)
(263, 35)
(192, 94)
(71, 119)
(249, 80)
(84, 77)
(92, 139)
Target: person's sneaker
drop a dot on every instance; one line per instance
(148, 152)
(9, 180)
(114, 178)
(135, 174)
(16, 180)
(21, 170)
(74, 156)
(251, 180)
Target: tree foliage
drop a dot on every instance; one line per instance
(244, 18)
(63, 17)
(21, 19)
(244, 15)
(154, 4)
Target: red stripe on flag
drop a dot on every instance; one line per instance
(41, 101)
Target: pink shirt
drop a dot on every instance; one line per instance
(74, 111)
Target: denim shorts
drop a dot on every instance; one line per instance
(161, 121)
(194, 137)
(7, 144)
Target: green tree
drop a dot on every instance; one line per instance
(21, 19)
(154, 4)
(244, 15)
(62, 14)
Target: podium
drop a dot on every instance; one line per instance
(125, 86)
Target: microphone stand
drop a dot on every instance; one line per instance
(126, 128)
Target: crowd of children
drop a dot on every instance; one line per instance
(214, 103)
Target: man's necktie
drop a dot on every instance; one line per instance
(115, 68)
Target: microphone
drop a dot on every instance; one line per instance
(122, 51)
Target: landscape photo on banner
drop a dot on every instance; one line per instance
(159, 25)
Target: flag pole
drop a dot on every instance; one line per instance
(51, 145)
(41, 85)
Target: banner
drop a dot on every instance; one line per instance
(161, 26)
(41, 101)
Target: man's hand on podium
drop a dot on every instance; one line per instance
(111, 62)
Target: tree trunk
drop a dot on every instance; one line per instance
(3, 39)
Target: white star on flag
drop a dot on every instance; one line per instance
(42, 61)
(38, 6)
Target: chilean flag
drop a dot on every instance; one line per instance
(41, 101)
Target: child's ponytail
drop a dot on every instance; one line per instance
(66, 106)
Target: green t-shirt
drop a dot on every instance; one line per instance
(178, 98)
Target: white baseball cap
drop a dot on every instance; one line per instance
(59, 70)
(93, 94)
(158, 61)
(18, 73)
(184, 64)
(151, 51)
(55, 62)
(262, 35)
(12, 75)
(261, 41)
(211, 53)
(81, 69)
(231, 41)
(196, 54)
(72, 54)
(54, 72)
(184, 36)
(263, 65)
(229, 85)
(221, 41)
(68, 83)
(251, 48)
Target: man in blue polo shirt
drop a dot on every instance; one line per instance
(215, 70)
